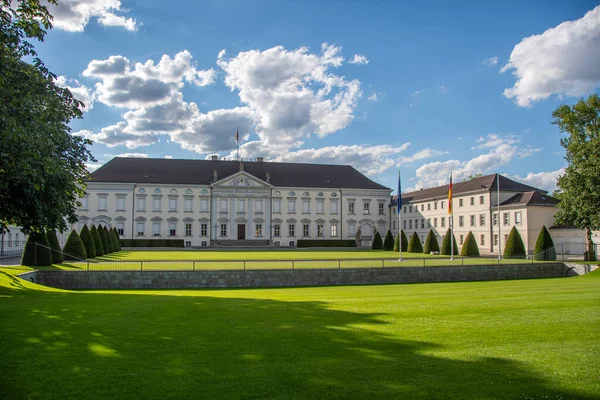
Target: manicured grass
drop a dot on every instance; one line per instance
(524, 339)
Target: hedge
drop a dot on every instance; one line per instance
(57, 255)
(388, 243)
(104, 239)
(414, 245)
(431, 243)
(445, 250)
(514, 247)
(74, 248)
(469, 248)
(88, 242)
(97, 241)
(152, 242)
(544, 246)
(326, 243)
(37, 256)
(404, 242)
(377, 242)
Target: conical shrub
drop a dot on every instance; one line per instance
(118, 238)
(514, 247)
(88, 242)
(111, 240)
(38, 255)
(104, 239)
(544, 246)
(57, 256)
(404, 242)
(377, 242)
(97, 241)
(431, 243)
(388, 243)
(115, 239)
(414, 244)
(74, 248)
(445, 250)
(469, 248)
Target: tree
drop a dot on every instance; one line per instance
(514, 248)
(414, 245)
(88, 242)
(445, 250)
(377, 242)
(103, 239)
(115, 238)
(110, 240)
(42, 166)
(579, 186)
(57, 256)
(388, 243)
(404, 242)
(97, 241)
(74, 248)
(469, 248)
(544, 246)
(431, 243)
(37, 252)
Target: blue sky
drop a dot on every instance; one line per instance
(427, 87)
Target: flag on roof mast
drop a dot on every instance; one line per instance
(450, 195)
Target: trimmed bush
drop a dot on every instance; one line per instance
(431, 243)
(514, 247)
(37, 256)
(469, 248)
(118, 239)
(544, 246)
(104, 239)
(74, 248)
(154, 242)
(404, 242)
(445, 250)
(115, 239)
(388, 243)
(57, 255)
(414, 245)
(377, 242)
(97, 241)
(109, 240)
(88, 242)
(323, 243)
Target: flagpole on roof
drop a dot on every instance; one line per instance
(399, 202)
(451, 212)
(237, 142)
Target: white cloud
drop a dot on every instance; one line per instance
(91, 167)
(416, 93)
(74, 15)
(562, 60)
(129, 155)
(79, 91)
(421, 155)
(359, 59)
(490, 62)
(168, 157)
(116, 135)
(541, 180)
(373, 97)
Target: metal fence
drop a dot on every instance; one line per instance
(11, 251)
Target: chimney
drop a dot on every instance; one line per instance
(259, 159)
(214, 157)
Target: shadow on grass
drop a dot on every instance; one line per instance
(95, 345)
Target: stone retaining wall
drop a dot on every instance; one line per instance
(298, 277)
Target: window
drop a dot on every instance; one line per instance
(442, 205)
(276, 230)
(320, 206)
(506, 218)
(334, 206)
(241, 205)
(139, 229)
(84, 203)
(443, 222)
(188, 205)
(333, 230)
(481, 219)
(472, 220)
(258, 205)
(291, 230)
(422, 223)
(223, 206)
(472, 201)
(188, 243)
(120, 203)
(481, 200)
(172, 204)
(404, 224)
(460, 204)
(292, 205)
(495, 219)
(495, 240)
(394, 225)
(156, 228)
(410, 224)
(381, 205)
(518, 218)
(351, 230)
(172, 228)
(277, 205)
(435, 222)
(350, 208)
(428, 206)
(120, 228)
(366, 208)
(505, 239)
(461, 221)
(203, 204)
(305, 230)
(223, 230)
(305, 206)
(156, 204)
(141, 204)
(461, 239)
(410, 209)
(404, 209)
(422, 207)
(435, 205)
(482, 240)
(292, 243)
(102, 203)
(258, 230)
(203, 229)
(10, 240)
(188, 229)
(429, 222)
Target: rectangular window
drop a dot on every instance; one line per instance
(258, 230)
(435, 205)
(223, 206)
(428, 206)
(241, 205)
(292, 205)
(409, 209)
(203, 204)
(277, 205)
(435, 222)
(442, 205)
(102, 203)
(366, 208)
(291, 230)
(156, 204)
(351, 230)
(481, 219)
(404, 209)
(120, 203)
(156, 229)
(422, 223)
(204, 229)
(84, 203)
(334, 206)
(461, 239)
(172, 204)
(481, 200)
(482, 240)
(472, 220)
(306, 206)
(276, 230)
(518, 218)
(188, 205)
(223, 230)
(141, 204)
(381, 208)
(320, 206)
(495, 219)
(139, 229)
(495, 240)
(472, 201)
(394, 225)
(422, 207)
(258, 205)
(351, 208)
(461, 221)
(172, 229)
(188, 229)
(506, 218)
(404, 224)
(120, 228)
(333, 230)
(305, 230)
(410, 224)
(443, 222)
(460, 204)
(429, 222)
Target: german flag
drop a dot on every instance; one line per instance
(450, 195)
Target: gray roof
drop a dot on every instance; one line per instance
(200, 172)
(530, 199)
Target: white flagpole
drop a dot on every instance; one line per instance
(451, 223)
(399, 219)
(499, 231)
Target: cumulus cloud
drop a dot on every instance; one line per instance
(373, 97)
(562, 60)
(79, 91)
(129, 155)
(359, 59)
(490, 62)
(421, 155)
(91, 167)
(74, 15)
(117, 135)
(542, 180)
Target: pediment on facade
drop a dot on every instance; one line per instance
(241, 180)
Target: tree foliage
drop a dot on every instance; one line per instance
(377, 242)
(580, 185)
(388, 243)
(544, 246)
(404, 242)
(115, 239)
(431, 243)
(414, 244)
(118, 239)
(37, 252)
(42, 166)
(445, 250)
(514, 247)
(104, 239)
(74, 248)
(88, 242)
(57, 256)
(97, 241)
(469, 248)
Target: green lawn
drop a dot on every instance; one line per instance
(528, 339)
